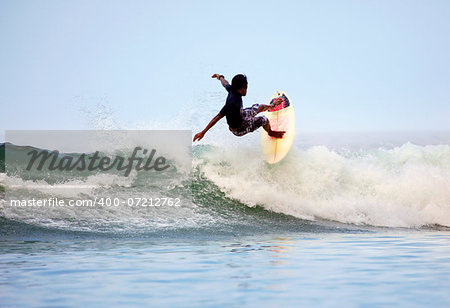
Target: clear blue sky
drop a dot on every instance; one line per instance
(347, 65)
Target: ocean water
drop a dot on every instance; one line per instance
(344, 220)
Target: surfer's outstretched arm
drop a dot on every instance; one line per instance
(222, 79)
(214, 120)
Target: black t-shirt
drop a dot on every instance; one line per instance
(233, 108)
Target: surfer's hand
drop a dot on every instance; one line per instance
(198, 136)
(215, 76)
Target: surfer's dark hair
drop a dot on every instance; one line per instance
(238, 82)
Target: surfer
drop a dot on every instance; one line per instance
(241, 121)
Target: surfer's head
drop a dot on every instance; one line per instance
(239, 84)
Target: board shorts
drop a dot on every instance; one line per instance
(250, 121)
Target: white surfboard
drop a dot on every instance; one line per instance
(281, 118)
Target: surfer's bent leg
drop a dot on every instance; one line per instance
(273, 133)
(250, 121)
(266, 124)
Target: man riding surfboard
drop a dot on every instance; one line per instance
(241, 121)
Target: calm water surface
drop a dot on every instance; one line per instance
(380, 268)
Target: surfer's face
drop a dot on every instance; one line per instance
(243, 91)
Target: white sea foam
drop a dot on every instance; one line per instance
(407, 186)
(101, 217)
(70, 188)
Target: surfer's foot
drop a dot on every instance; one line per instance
(276, 134)
(275, 102)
